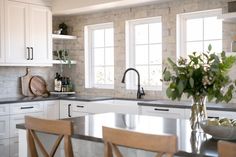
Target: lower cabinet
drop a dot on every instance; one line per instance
(14, 147)
(162, 111)
(51, 109)
(74, 108)
(4, 148)
(4, 127)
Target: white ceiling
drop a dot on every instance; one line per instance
(68, 7)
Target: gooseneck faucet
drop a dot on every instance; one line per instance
(139, 92)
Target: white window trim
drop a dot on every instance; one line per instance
(89, 74)
(129, 25)
(181, 29)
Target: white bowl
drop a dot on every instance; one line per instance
(219, 132)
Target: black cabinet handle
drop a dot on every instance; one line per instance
(213, 117)
(160, 109)
(27, 107)
(80, 106)
(32, 53)
(69, 105)
(28, 53)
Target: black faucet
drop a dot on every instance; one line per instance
(139, 93)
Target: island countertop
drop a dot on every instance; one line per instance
(189, 143)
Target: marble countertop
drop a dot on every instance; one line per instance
(189, 143)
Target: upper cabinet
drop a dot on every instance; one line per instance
(1, 31)
(27, 34)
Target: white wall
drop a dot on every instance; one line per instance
(62, 7)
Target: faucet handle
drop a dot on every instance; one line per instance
(142, 91)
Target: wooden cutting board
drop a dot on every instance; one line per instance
(25, 83)
(38, 86)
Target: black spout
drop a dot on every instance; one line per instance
(139, 93)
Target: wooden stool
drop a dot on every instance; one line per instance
(162, 144)
(226, 149)
(58, 127)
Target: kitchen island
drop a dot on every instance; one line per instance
(88, 134)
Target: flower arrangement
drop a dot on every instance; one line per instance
(200, 76)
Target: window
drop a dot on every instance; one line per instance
(99, 56)
(144, 52)
(195, 31)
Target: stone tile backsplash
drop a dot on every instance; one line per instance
(167, 10)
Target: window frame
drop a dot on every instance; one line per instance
(130, 50)
(181, 30)
(89, 55)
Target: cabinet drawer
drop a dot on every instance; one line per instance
(4, 148)
(4, 109)
(26, 108)
(4, 127)
(162, 111)
(18, 119)
(79, 107)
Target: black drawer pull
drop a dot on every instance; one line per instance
(80, 106)
(28, 107)
(160, 109)
(69, 105)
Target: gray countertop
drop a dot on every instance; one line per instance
(141, 102)
(187, 104)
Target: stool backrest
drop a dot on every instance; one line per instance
(61, 128)
(226, 149)
(161, 144)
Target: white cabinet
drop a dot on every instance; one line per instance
(38, 2)
(73, 109)
(4, 127)
(217, 113)
(162, 111)
(51, 109)
(14, 150)
(20, 118)
(2, 31)
(28, 34)
(4, 148)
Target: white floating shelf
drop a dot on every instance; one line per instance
(62, 62)
(68, 37)
(229, 17)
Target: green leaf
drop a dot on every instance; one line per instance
(180, 87)
(191, 82)
(209, 47)
(167, 76)
(169, 92)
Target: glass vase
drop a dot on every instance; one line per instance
(198, 112)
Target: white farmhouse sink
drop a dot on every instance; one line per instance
(119, 102)
(119, 106)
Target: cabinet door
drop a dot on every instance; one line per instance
(52, 109)
(40, 34)
(14, 144)
(2, 56)
(65, 107)
(18, 119)
(17, 34)
(4, 148)
(4, 127)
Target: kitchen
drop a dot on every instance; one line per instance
(10, 83)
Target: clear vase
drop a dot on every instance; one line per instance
(198, 112)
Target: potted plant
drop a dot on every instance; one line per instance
(200, 76)
(63, 56)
